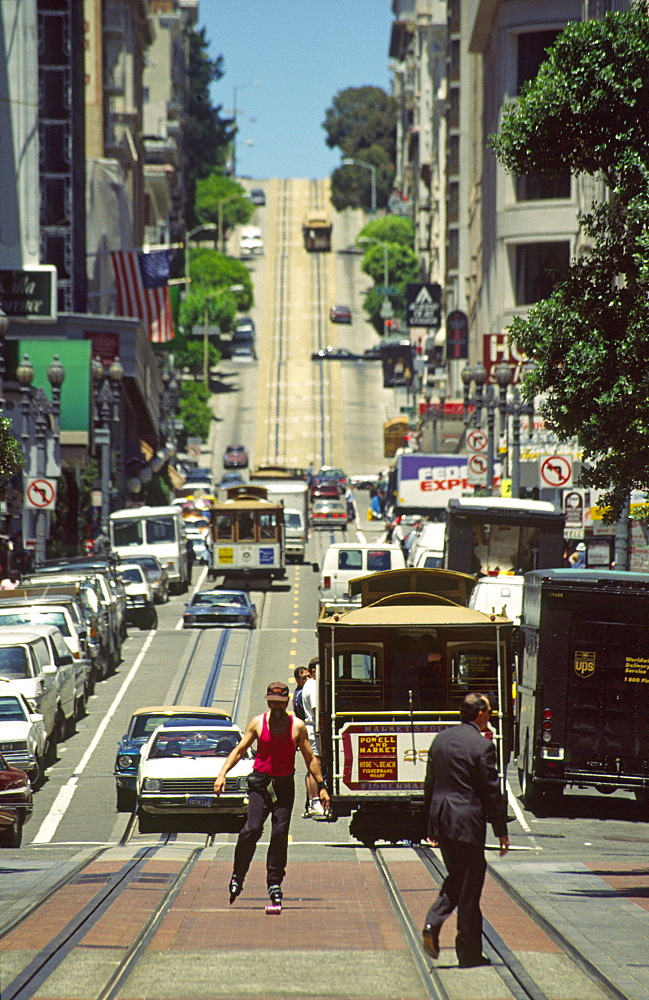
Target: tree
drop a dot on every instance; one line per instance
(194, 411)
(203, 306)
(221, 200)
(11, 456)
(389, 229)
(402, 267)
(215, 270)
(189, 354)
(362, 117)
(587, 110)
(206, 136)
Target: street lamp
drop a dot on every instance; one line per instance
(350, 162)
(107, 383)
(514, 408)
(237, 87)
(4, 326)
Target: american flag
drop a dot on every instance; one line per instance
(142, 290)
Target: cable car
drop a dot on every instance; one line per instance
(248, 536)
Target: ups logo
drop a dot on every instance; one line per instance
(584, 663)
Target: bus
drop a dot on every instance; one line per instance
(487, 536)
(582, 684)
(248, 536)
(391, 675)
(153, 531)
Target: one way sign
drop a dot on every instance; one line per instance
(424, 305)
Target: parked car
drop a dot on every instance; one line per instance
(329, 514)
(176, 777)
(25, 662)
(23, 740)
(334, 354)
(64, 613)
(340, 314)
(235, 457)
(16, 803)
(143, 723)
(198, 475)
(257, 196)
(140, 609)
(61, 660)
(231, 608)
(156, 574)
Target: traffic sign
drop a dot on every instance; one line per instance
(476, 440)
(555, 470)
(423, 304)
(477, 469)
(40, 494)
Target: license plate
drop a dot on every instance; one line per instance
(200, 801)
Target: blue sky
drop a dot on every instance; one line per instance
(302, 53)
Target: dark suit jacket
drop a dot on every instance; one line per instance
(462, 790)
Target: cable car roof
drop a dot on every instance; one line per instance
(446, 583)
(418, 616)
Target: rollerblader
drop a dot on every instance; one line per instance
(271, 789)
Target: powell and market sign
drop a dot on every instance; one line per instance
(29, 294)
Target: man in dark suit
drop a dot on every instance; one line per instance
(462, 792)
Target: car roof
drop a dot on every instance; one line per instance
(20, 635)
(179, 710)
(219, 590)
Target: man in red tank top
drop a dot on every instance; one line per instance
(271, 787)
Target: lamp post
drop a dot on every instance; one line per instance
(235, 89)
(107, 382)
(350, 162)
(514, 408)
(37, 409)
(435, 413)
(168, 403)
(4, 326)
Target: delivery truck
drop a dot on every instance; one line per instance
(583, 684)
(289, 486)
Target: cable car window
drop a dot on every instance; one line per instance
(267, 525)
(473, 668)
(245, 526)
(224, 527)
(350, 559)
(357, 666)
(358, 674)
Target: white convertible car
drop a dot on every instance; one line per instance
(176, 776)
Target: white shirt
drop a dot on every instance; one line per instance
(310, 705)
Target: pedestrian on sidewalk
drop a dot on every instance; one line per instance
(462, 792)
(271, 787)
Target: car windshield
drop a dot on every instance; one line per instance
(11, 710)
(193, 743)
(35, 617)
(292, 520)
(160, 529)
(215, 598)
(14, 662)
(133, 575)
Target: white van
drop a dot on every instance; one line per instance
(344, 561)
(502, 594)
(250, 241)
(153, 531)
(427, 551)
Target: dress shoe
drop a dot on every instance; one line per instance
(472, 963)
(430, 940)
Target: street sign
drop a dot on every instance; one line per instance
(424, 303)
(477, 469)
(477, 440)
(555, 471)
(574, 508)
(387, 289)
(40, 493)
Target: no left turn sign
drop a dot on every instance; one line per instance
(477, 440)
(40, 494)
(555, 470)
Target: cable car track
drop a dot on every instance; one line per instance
(28, 982)
(514, 975)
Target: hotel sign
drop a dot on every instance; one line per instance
(29, 294)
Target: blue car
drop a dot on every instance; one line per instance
(229, 608)
(142, 724)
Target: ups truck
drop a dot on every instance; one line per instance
(583, 684)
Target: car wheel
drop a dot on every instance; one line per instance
(60, 725)
(125, 800)
(80, 706)
(52, 745)
(12, 836)
(70, 726)
(153, 618)
(37, 773)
